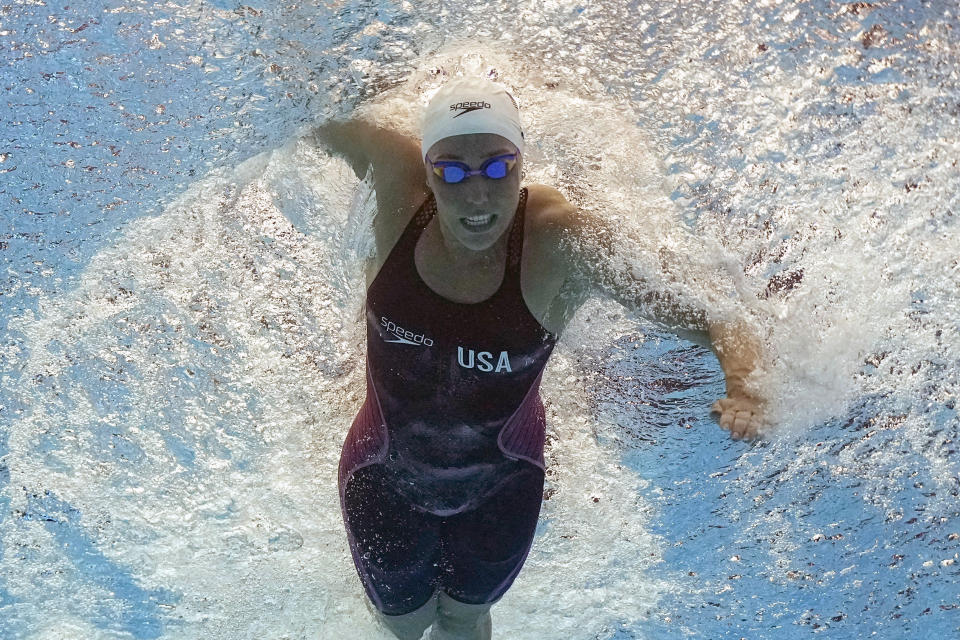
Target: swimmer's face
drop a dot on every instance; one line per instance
(478, 210)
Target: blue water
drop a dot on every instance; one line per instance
(181, 355)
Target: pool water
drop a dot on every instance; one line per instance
(182, 350)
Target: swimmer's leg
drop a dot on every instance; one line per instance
(396, 549)
(483, 551)
(410, 626)
(459, 621)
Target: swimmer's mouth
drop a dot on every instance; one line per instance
(479, 223)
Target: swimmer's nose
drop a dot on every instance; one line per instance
(476, 191)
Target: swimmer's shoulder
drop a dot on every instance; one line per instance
(395, 209)
(547, 263)
(549, 217)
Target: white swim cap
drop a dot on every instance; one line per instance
(471, 105)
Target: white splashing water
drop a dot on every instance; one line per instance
(174, 417)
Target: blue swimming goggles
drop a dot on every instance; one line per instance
(494, 168)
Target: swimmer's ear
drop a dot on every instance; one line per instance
(427, 170)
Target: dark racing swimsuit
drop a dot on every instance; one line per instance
(441, 475)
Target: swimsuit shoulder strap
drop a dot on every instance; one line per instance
(425, 213)
(411, 233)
(515, 242)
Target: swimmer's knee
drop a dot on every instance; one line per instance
(457, 619)
(410, 626)
(449, 606)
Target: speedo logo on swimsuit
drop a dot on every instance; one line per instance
(404, 336)
(483, 360)
(468, 107)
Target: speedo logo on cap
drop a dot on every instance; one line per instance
(467, 107)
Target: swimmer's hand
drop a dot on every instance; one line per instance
(741, 415)
(738, 351)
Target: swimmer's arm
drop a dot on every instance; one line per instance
(398, 173)
(590, 265)
(736, 348)
(397, 167)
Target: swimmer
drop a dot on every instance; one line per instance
(473, 280)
